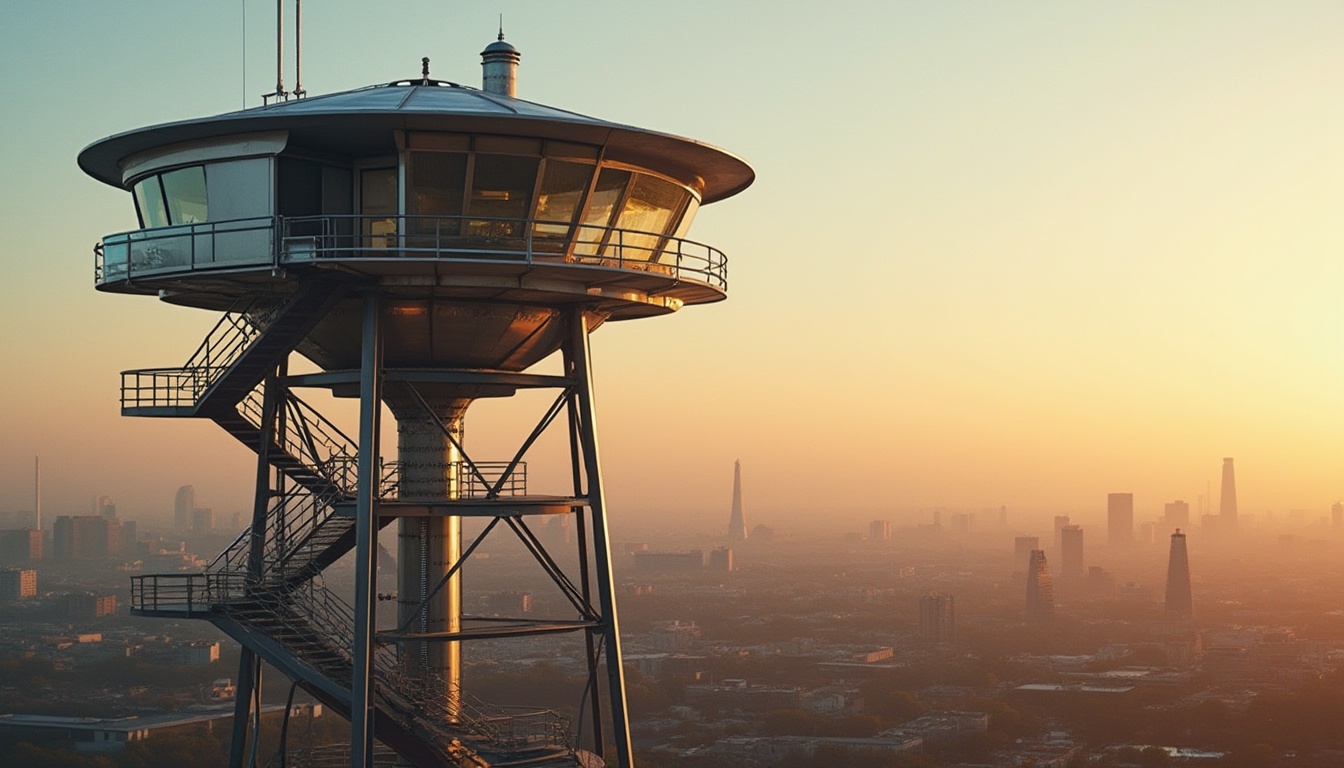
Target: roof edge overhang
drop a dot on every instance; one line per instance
(719, 173)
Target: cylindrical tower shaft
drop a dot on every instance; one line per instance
(429, 458)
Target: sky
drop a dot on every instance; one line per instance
(1018, 254)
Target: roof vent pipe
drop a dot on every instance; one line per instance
(499, 68)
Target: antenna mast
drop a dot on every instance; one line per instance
(299, 93)
(279, 93)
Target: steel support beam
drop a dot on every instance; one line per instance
(249, 666)
(606, 590)
(366, 530)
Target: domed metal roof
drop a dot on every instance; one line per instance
(500, 46)
(360, 123)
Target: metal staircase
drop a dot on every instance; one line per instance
(284, 614)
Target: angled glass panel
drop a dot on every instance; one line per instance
(184, 194)
(611, 183)
(646, 217)
(501, 194)
(562, 187)
(149, 203)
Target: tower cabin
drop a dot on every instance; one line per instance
(451, 199)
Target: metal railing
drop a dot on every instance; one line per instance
(185, 248)
(190, 592)
(277, 241)
(470, 485)
(223, 345)
(310, 438)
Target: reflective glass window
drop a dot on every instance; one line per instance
(562, 187)
(436, 189)
(647, 214)
(501, 190)
(184, 194)
(611, 184)
(378, 204)
(149, 202)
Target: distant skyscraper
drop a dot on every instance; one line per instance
(1119, 519)
(1071, 552)
(183, 504)
(105, 506)
(1337, 515)
(1022, 548)
(1178, 578)
(737, 522)
(1060, 522)
(937, 619)
(37, 492)
(1040, 590)
(202, 520)
(79, 537)
(1227, 505)
(1176, 514)
(879, 530)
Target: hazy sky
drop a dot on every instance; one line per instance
(997, 253)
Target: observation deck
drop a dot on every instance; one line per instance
(629, 273)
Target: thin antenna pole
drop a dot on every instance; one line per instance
(298, 49)
(279, 49)
(244, 53)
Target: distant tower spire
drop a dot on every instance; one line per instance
(1179, 603)
(737, 523)
(1227, 506)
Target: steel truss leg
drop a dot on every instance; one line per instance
(581, 371)
(366, 528)
(249, 666)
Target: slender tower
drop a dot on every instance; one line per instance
(37, 492)
(1178, 578)
(1040, 590)
(1227, 506)
(737, 522)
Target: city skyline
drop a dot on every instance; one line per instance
(1042, 219)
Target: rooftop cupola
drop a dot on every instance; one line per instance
(499, 68)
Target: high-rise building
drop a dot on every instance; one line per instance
(737, 521)
(1022, 548)
(1119, 519)
(1337, 515)
(1227, 504)
(17, 584)
(81, 537)
(105, 506)
(20, 545)
(1176, 514)
(202, 520)
(1071, 552)
(1060, 522)
(37, 492)
(1040, 590)
(1178, 578)
(721, 559)
(183, 505)
(937, 619)
(879, 530)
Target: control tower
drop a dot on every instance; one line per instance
(423, 244)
